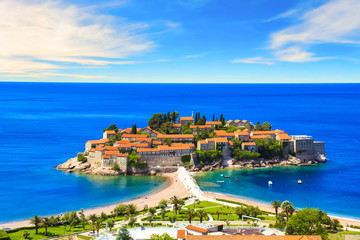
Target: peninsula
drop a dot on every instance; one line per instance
(195, 143)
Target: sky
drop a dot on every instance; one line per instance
(180, 41)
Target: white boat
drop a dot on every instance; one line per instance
(299, 181)
(270, 182)
(220, 181)
(222, 175)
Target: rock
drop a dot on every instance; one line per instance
(153, 172)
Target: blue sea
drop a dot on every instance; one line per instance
(44, 124)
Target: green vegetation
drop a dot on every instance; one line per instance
(134, 161)
(111, 127)
(164, 236)
(244, 155)
(208, 157)
(4, 235)
(263, 127)
(116, 167)
(124, 234)
(269, 149)
(81, 158)
(133, 129)
(163, 122)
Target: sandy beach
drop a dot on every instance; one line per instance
(175, 188)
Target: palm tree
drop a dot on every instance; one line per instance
(190, 213)
(286, 207)
(276, 205)
(197, 201)
(98, 225)
(162, 213)
(202, 214)
(163, 202)
(130, 209)
(93, 218)
(218, 214)
(103, 217)
(151, 218)
(36, 220)
(176, 201)
(46, 223)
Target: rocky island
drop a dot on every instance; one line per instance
(193, 142)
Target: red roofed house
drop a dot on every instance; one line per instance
(176, 137)
(214, 123)
(93, 143)
(184, 120)
(223, 133)
(132, 136)
(147, 130)
(109, 134)
(249, 146)
(195, 129)
(242, 135)
(181, 234)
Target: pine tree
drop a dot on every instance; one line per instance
(168, 117)
(124, 234)
(133, 129)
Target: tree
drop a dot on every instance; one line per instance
(93, 218)
(73, 219)
(155, 121)
(103, 217)
(167, 141)
(46, 223)
(111, 127)
(218, 212)
(132, 221)
(116, 167)
(130, 209)
(202, 214)
(308, 221)
(269, 149)
(172, 218)
(152, 211)
(163, 236)
(276, 205)
(190, 214)
(98, 225)
(240, 211)
(286, 206)
(213, 117)
(335, 223)
(197, 201)
(82, 218)
(162, 213)
(266, 126)
(119, 210)
(110, 223)
(151, 218)
(133, 129)
(124, 234)
(36, 221)
(244, 155)
(81, 158)
(134, 157)
(222, 119)
(163, 202)
(177, 202)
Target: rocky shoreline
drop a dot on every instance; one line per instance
(73, 165)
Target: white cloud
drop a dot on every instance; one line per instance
(295, 54)
(196, 55)
(337, 21)
(256, 60)
(36, 32)
(283, 15)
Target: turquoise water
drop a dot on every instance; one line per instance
(44, 124)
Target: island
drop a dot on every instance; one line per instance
(170, 141)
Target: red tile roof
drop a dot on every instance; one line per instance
(110, 132)
(167, 148)
(214, 123)
(200, 126)
(147, 150)
(100, 141)
(284, 136)
(203, 142)
(123, 141)
(197, 229)
(110, 148)
(252, 237)
(92, 150)
(263, 132)
(176, 125)
(181, 233)
(157, 142)
(260, 136)
(186, 119)
(222, 133)
(242, 133)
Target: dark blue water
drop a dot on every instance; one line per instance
(44, 124)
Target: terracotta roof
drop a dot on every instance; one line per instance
(143, 145)
(157, 142)
(263, 132)
(100, 141)
(284, 136)
(279, 131)
(122, 154)
(182, 144)
(237, 121)
(147, 128)
(147, 150)
(123, 141)
(110, 148)
(197, 229)
(161, 136)
(186, 119)
(127, 130)
(249, 144)
(111, 152)
(110, 132)
(242, 133)
(214, 123)
(252, 237)
(154, 131)
(99, 147)
(224, 134)
(142, 139)
(134, 136)
(203, 142)
(176, 125)
(106, 156)
(92, 150)
(245, 121)
(260, 136)
(231, 143)
(221, 140)
(200, 126)
(124, 146)
(181, 233)
(229, 121)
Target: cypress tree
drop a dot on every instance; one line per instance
(213, 117)
(168, 117)
(133, 129)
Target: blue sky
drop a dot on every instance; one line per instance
(189, 41)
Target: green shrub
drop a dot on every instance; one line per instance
(81, 158)
(116, 167)
(185, 158)
(4, 235)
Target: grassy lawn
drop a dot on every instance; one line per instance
(52, 232)
(203, 204)
(340, 235)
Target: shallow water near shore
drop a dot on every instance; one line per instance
(44, 124)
